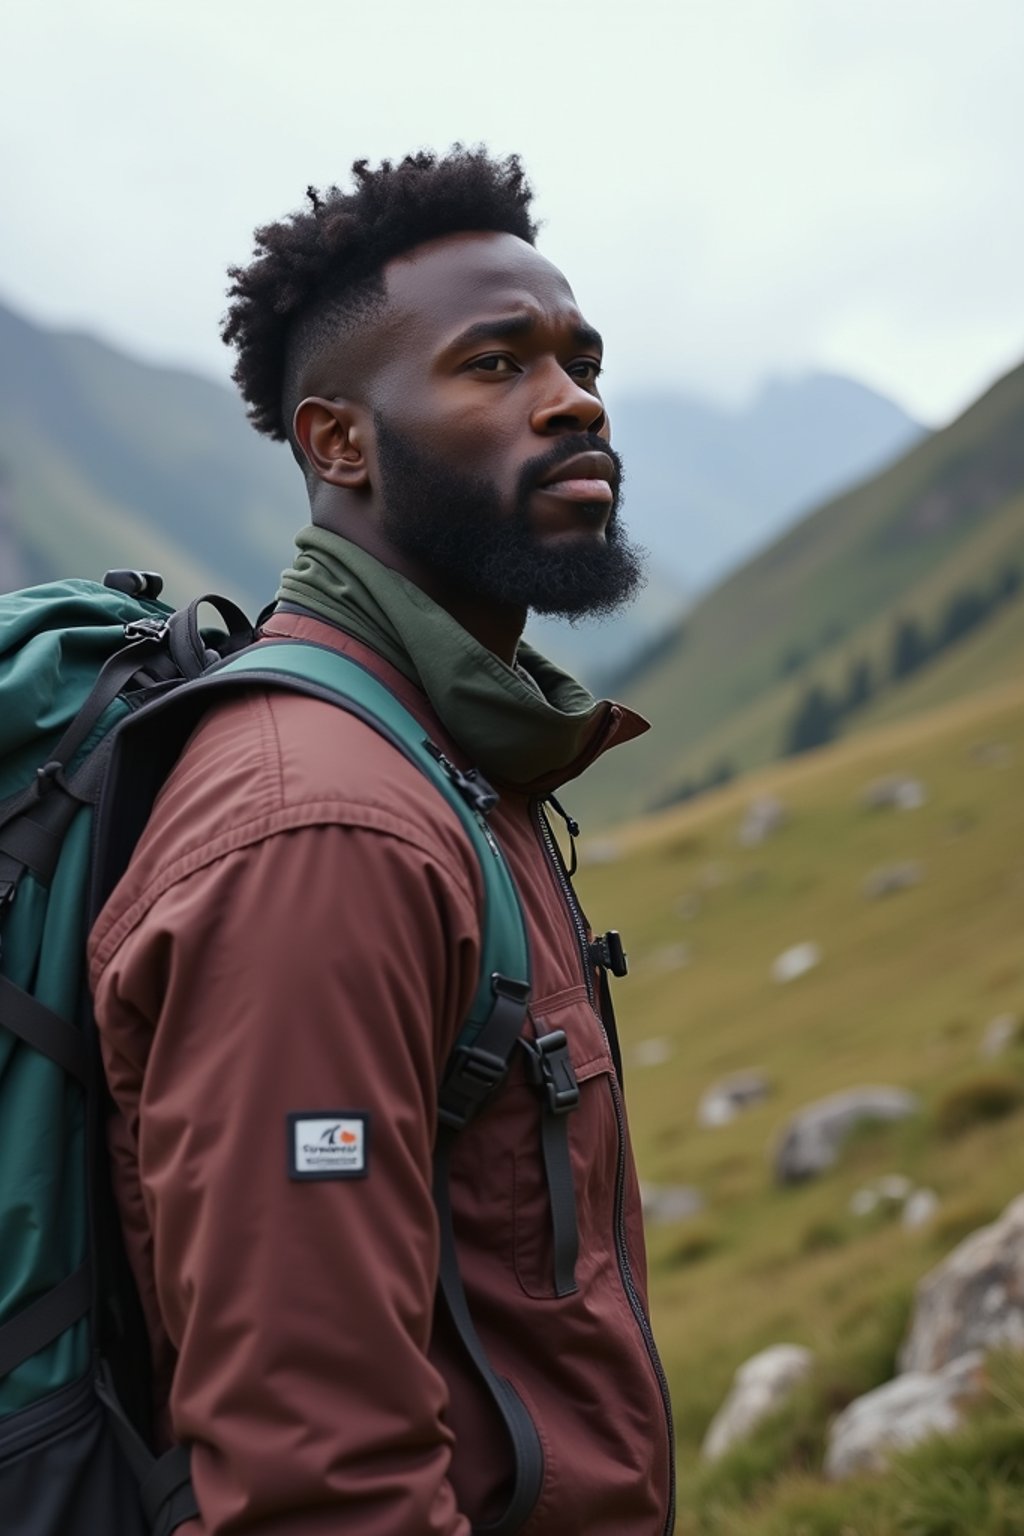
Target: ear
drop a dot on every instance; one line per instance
(332, 435)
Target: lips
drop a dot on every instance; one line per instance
(586, 477)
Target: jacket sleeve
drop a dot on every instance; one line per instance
(300, 1309)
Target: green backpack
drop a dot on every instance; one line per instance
(100, 686)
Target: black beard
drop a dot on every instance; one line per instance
(447, 521)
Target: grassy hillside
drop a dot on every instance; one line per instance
(904, 991)
(950, 512)
(105, 461)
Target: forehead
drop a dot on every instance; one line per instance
(446, 284)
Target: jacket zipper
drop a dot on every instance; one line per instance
(554, 857)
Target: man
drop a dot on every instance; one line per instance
(299, 933)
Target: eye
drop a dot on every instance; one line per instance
(498, 363)
(587, 369)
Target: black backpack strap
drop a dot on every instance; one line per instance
(165, 1482)
(549, 1067)
(42, 1321)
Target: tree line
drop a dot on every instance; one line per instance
(821, 711)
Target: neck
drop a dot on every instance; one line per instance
(496, 626)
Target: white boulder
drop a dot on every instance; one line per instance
(900, 1414)
(811, 1141)
(760, 1387)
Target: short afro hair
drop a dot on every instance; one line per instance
(318, 269)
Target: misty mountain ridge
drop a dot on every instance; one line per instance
(105, 460)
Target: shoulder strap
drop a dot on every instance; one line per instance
(487, 1041)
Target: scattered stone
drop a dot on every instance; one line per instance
(991, 754)
(652, 1053)
(723, 1101)
(864, 1202)
(920, 1209)
(974, 1299)
(671, 957)
(795, 962)
(665, 1203)
(764, 816)
(1004, 1030)
(812, 1140)
(760, 1387)
(688, 906)
(600, 850)
(900, 1414)
(890, 878)
(894, 792)
(713, 876)
(894, 1186)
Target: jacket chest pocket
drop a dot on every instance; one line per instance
(566, 1165)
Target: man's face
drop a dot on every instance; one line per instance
(493, 464)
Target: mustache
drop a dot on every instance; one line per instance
(536, 470)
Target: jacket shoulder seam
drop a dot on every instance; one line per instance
(324, 812)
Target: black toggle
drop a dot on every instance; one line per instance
(549, 1066)
(607, 952)
(470, 783)
(134, 583)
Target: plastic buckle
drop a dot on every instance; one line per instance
(550, 1067)
(146, 629)
(506, 986)
(473, 1077)
(470, 783)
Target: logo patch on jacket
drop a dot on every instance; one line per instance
(328, 1145)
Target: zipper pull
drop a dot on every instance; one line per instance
(572, 826)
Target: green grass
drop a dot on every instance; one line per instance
(902, 996)
(945, 516)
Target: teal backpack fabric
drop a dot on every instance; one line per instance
(100, 686)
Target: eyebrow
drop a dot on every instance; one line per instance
(511, 327)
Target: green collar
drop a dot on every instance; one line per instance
(530, 726)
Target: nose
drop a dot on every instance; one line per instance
(565, 405)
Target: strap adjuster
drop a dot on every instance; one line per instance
(549, 1066)
(472, 1077)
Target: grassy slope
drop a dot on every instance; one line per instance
(904, 992)
(942, 516)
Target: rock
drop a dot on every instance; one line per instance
(652, 1053)
(890, 878)
(891, 1188)
(724, 1100)
(688, 906)
(991, 754)
(919, 1209)
(811, 1141)
(795, 962)
(1004, 1030)
(974, 1299)
(760, 1387)
(894, 792)
(864, 1202)
(665, 1203)
(671, 957)
(900, 1414)
(763, 816)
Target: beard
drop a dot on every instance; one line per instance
(448, 521)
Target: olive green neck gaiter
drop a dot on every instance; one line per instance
(522, 726)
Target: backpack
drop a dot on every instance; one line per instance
(100, 687)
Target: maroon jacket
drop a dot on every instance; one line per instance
(298, 934)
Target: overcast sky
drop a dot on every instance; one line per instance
(735, 188)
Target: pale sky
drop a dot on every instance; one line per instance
(735, 188)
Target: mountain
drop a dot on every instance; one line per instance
(108, 461)
(944, 522)
(706, 486)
